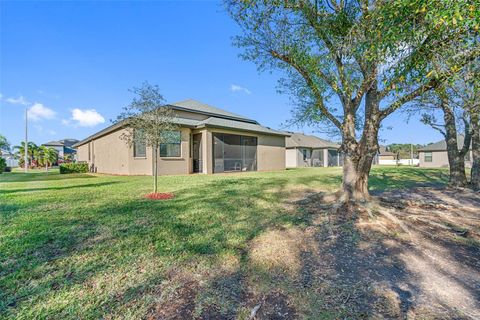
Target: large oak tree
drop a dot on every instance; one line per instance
(351, 64)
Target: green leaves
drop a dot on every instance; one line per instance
(147, 117)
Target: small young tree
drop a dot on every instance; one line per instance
(147, 120)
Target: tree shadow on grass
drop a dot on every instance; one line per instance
(9, 177)
(355, 272)
(196, 225)
(77, 186)
(401, 178)
(202, 224)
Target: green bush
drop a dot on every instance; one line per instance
(79, 167)
(3, 164)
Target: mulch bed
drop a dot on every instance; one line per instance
(160, 195)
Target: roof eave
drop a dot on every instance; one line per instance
(211, 114)
(240, 129)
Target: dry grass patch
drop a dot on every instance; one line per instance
(281, 249)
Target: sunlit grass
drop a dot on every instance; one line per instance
(90, 246)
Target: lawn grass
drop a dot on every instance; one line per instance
(90, 246)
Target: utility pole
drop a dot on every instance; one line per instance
(25, 165)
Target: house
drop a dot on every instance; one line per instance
(384, 154)
(10, 158)
(311, 151)
(209, 140)
(435, 155)
(64, 147)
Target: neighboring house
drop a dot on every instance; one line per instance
(384, 154)
(311, 151)
(209, 140)
(64, 147)
(10, 158)
(435, 155)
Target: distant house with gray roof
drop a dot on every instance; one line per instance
(64, 148)
(209, 140)
(435, 155)
(310, 151)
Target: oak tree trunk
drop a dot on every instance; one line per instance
(456, 160)
(475, 173)
(355, 178)
(358, 156)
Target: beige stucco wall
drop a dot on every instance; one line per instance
(439, 160)
(110, 154)
(189, 115)
(291, 158)
(386, 157)
(180, 165)
(270, 153)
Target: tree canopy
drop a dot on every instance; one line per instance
(351, 64)
(148, 120)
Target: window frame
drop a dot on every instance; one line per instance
(305, 154)
(179, 143)
(135, 155)
(428, 155)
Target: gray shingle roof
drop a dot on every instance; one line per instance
(239, 125)
(199, 107)
(299, 140)
(218, 119)
(53, 143)
(60, 143)
(383, 152)
(442, 145)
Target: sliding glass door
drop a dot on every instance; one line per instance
(234, 153)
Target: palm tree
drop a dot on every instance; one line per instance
(21, 151)
(4, 144)
(50, 156)
(38, 155)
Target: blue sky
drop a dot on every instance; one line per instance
(72, 63)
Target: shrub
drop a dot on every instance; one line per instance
(3, 164)
(79, 167)
(8, 169)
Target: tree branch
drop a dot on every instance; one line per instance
(408, 97)
(311, 85)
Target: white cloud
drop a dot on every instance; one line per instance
(52, 132)
(39, 112)
(20, 100)
(85, 118)
(237, 88)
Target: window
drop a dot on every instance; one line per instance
(139, 147)
(428, 157)
(171, 147)
(304, 152)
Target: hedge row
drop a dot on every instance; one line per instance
(81, 167)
